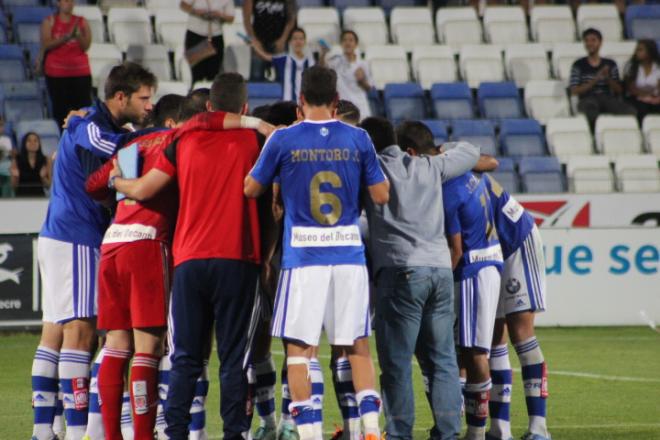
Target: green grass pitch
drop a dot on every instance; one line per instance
(604, 384)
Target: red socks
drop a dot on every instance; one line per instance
(144, 394)
(111, 389)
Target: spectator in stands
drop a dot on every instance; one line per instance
(204, 42)
(289, 66)
(30, 170)
(268, 24)
(353, 77)
(65, 39)
(642, 78)
(595, 81)
(6, 149)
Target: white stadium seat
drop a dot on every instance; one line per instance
(651, 130)
(153, 6)
(589, 174)
(237, 57)
(569, 137)
(526, 62)
(411, 27)
(638, 173)
(458, 26)
(368, 23)
(605, 18)
(620, 52)
(618, 135)
(129, 26)
(388, 64)
(102, 57)
(505, 25)
(94, 17)
(319, 23)
(481, 62)
(182, 68)
(167, 87)
(545, 100)
(552, 24)
(171, 27)
(152, 56)
(230, 30)
(563, 57)
(432, 64)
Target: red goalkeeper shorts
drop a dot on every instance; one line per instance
(134, 286)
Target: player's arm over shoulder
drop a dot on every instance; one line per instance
(265, 169)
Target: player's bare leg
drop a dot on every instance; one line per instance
(477, 391)
(501, 376)
(117, 354)
(262, 378)
(364, 381)
(342, 378)
(44, 380)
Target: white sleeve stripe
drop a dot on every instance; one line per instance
(102, 141)
(95, 139)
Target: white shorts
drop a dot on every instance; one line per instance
(523, 278)
(314, 297)
(476, 306)
(69, 280)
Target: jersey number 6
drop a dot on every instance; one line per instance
(319, 199)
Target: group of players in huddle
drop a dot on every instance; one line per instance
(214, 206)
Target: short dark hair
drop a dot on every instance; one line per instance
(592, 31)
(261, 111)
(282, 113)
(128, 77)
(228, 92)
(417, 136)
(297, 29)
(348, 31)
(348, 111)
(167, 107)
(380, 130)
(194, 103)
(319, 86)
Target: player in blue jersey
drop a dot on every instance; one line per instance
(323, 166)
(522, 294)
(68, 251)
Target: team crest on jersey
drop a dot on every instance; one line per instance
(324, 131)
(513, 286)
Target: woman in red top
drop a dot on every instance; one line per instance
(64, 40)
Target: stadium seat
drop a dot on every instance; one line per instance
(129, 26)
(94, 18)
(651, 130)
(545, 100)
(439, 130)
(589, 174)
(499, 100)
(264, 93)
(387, 5)
(375, 103)
(541, 175)
(479, 132)
(47, 130)
(26, 21)
(167, 87)
(525, 62)
(152, 56)
(458, 26)
(106, 5)
(505, 25)
(154, 6)
(552, 24)
(238, 56)
(23, 108)
(319, 23)
(563, 57)
(312, 3)
(506, 175)
(102, 57)
(481, 62)
(620, 52)
(452, 101)
(618, 135)
(388, 64)
(171, 25)
(638, 173)
(3, 35)
(230, 30)
(605, 18)
(368, 23)
(569, 137)
(13, 63)
(404, 101)
(411, 27)
(433, 64)
(522, 137)
(643, 21)
(23, 3)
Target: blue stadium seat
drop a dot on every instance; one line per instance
(21, 101)
(376, 104)
(3, 35)
(26, 22)
(310, 3)
(643, 21)
(343, 4)
(263, 93)
(47, 130)
(480, 132)
(541, 175)
(14, 3)
(506, 175)
(452, 101)
(13, 63)
(499, 100)
(522, 137)
(404, 101)
(439, 130)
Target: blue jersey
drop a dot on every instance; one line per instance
(321, 167)
(468, 211)
(72, 215)
(512, 222)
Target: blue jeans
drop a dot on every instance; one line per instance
(415, 315)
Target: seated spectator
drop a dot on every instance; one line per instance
(595, 81)
(30, 169)
(642, 78)
(353, 77)
(6, 149)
